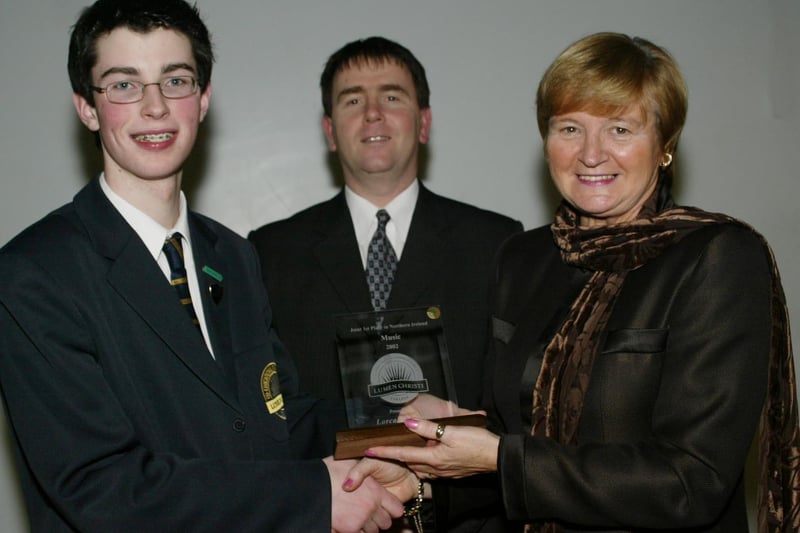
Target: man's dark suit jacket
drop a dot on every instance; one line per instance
(121, 418)
(675, 392)
(312, 270)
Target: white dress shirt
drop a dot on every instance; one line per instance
(153, 235)
(400, 209)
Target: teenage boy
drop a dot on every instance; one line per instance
(145, 386)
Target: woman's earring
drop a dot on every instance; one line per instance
(667, 160)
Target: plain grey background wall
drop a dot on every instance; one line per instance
(262, 155)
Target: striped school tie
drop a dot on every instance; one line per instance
(173, 251)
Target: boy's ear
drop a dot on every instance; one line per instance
(87, 113)
(205, 98)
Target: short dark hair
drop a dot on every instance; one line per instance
(373, 50)
(143, 16)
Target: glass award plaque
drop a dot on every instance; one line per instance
(387, 358)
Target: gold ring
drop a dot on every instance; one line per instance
(439, 431)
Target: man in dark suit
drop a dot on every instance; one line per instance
(145, 386)
(376, 115)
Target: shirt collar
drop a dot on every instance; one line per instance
(151, 232)
(400, 209)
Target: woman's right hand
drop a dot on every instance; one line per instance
(452, 452)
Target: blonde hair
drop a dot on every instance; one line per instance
(606, 73)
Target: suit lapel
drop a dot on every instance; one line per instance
(423, 255)
(422, 260)
(210, 265)
(336, 250)
(538, 308)
(141, 284)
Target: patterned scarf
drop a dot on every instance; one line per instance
(611, 252)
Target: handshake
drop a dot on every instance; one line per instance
(368, 493)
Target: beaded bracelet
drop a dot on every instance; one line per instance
(413, 511)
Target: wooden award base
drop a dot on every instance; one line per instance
(351, 443)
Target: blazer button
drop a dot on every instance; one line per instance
(239, 425)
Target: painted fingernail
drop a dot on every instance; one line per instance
(412, 423)
(348, 483)
(369, 453)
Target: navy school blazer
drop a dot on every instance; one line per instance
(121, 419)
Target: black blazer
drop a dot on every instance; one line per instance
(675, 393)
(121, 418)
(312, 270)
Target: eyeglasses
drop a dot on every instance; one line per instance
(129, 92)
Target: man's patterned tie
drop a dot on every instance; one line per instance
(381, 264)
